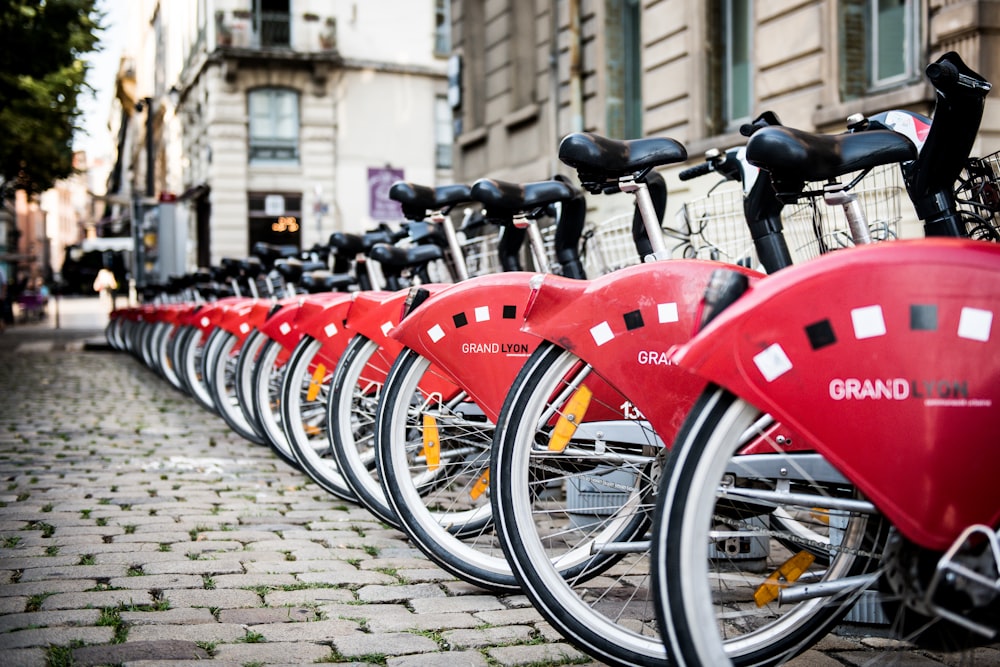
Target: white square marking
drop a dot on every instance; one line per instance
(602, 333)
(483, 314)
(285, 328)
(868, 322)
(975, 324)
(205, 321)
(667, 312)
(330, 330)
(772, 362)
(386, 328)
(436, 333)
(244, 327)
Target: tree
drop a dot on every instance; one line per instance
(42, 74)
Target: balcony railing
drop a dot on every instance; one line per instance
(244, 29)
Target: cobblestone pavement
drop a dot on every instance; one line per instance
(135, 529)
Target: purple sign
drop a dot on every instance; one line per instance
(380, 207)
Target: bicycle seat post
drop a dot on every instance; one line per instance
(536, 242)
(649, 218)
(834, 194)
(454, 246)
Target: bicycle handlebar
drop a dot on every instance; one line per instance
(944, 73)
(702, 169)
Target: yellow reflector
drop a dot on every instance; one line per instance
(316, 383)
(572, 416)
(312, 430)
(479, 488)
(821, 515)
(432, 444)
(790, 571)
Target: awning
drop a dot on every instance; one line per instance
(104, 243)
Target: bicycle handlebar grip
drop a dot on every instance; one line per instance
(696, 171)
(942, 72)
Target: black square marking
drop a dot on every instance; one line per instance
(820, 334)
(460, 320)
(923, 318)
(509, 312)
(633, 320)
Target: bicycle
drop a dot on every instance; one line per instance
(908, 310)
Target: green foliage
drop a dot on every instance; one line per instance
(42, 74)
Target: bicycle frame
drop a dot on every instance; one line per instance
(881, 358)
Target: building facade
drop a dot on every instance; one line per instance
(532, 71)
(278, 121)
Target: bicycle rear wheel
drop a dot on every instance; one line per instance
(433, 462)
(732, 584)
(572, 485)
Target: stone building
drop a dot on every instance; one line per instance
(532, 71)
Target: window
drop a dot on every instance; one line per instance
(730, 65)
(442, 27)
(271, 23)
(274, 125)
(879, 44)
(624, 46)
(442, 132)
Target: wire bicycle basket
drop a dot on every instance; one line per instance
(978, 197)
(714, 226)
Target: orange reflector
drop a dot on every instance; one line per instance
(790, 571)
(316, 383)
(479, 488)
(821, 515)
(432, 444)
(571, 417)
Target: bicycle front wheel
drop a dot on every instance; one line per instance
(736, 538)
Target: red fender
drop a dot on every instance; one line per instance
(374, 315)
(624, 324)
(241, 318)
(472, 331)
(887, 359)
(324, 321)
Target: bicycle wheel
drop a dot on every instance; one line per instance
(572, 487)
(162, 355)
(265, 392)
(221, 373)
(356, 387)
(304, 396)
(246, 361)
(728, 587)
(189, 352)
(433, 461)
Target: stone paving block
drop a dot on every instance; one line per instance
(345, 578)
(13, 605)
(42, 587)
(362, 611)
(25, 562)
(308, 596)
(814, 659)
(57, 636)
(226, 564)
(157, 581)
(153, 537)
(470, 603)
(509, 616)
(253, 580)
(417, 622)
(202, 632)
(221, 599)
(299, 653)
(397, 593)
(908, 658)
(396, 563)
(311, 631)
(39, 619)
(130, 652)
(73, 572)
(206, 547)
(25, 657)
(471, 638)
(538, 654)
(399, 643)
(179, 616)
(446, 659)
(96, 599)
(426, 575)
(265, 615)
